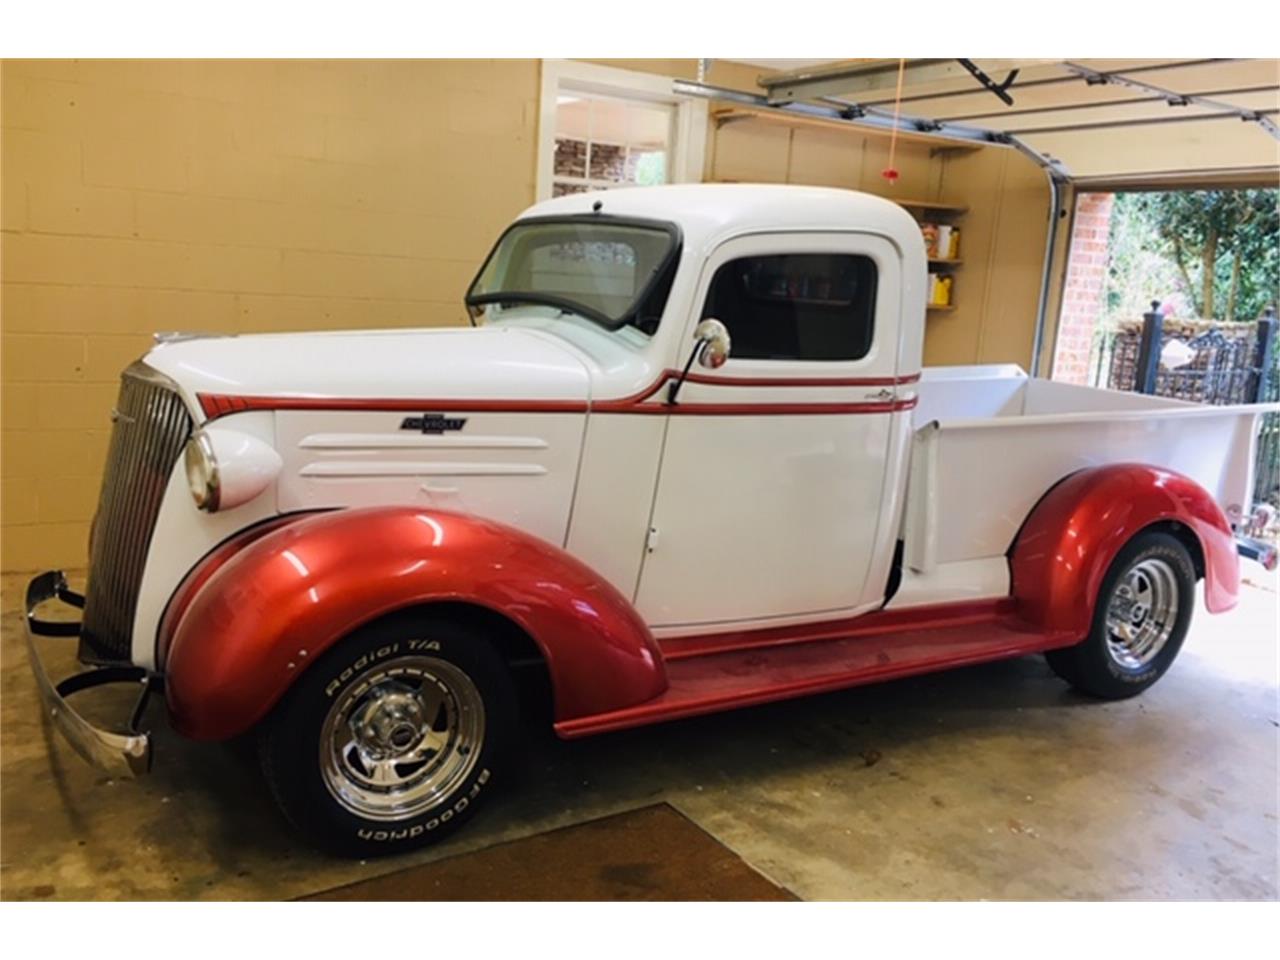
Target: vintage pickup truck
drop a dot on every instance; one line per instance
(686, 460)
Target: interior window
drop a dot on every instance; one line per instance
(796, 306)
(604, 142)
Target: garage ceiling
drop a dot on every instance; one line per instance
(1098, 119)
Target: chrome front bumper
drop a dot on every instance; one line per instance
(122, 755)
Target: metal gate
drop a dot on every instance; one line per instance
(1227, 364)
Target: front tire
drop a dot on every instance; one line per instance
(1141, 619)
(391, 739)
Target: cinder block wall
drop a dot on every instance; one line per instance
(231, 196)
(224, 196)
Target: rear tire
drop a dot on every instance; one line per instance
(392, 738)
(1140, 621)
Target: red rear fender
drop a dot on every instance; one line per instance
(240, 642)
(1064, 548)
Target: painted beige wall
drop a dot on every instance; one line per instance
(1003, 234)
(256, 195)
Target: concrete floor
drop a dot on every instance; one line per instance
(990, 782)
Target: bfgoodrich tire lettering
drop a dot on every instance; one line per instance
(1142, 614)
(393, 738)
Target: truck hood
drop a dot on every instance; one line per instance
(493, 363)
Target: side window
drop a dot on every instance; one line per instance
(796, 306)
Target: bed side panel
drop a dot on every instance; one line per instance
(990, 476)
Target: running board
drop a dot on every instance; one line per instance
(725, 675)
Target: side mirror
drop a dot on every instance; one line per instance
(714, 343)
(710, 348)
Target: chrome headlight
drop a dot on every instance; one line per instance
(226, 468)
(202, 471)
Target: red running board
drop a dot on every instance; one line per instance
(725, 671)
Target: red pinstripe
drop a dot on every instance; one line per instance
(219, 405)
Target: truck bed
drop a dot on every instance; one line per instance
(989, 442)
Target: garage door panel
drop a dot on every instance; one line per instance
(1201, 145)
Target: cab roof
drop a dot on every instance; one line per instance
(708, 213)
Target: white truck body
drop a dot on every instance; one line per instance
(597, 481)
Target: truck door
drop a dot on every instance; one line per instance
(772, 481)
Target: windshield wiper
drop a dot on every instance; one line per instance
(563, 304)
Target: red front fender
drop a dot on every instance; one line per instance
(1064, 548)
(239, 644)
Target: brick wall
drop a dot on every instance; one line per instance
(224, 196)
(1082, 294)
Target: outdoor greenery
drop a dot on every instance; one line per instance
(1212, 254)
(1204, 254)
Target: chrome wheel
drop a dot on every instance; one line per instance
(402, 738)
(1142, 613)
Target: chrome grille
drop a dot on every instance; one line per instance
(151, 427)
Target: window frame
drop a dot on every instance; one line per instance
(689, 128)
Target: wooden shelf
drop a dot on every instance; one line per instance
(932, 206)
(940, 308)
(945, 261)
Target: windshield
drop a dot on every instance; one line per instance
(609, 270)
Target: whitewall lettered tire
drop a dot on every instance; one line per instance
(393, 737)
(1140, 621)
